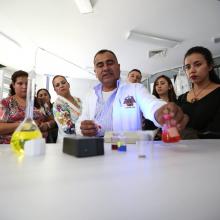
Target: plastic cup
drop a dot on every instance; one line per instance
(144, 144)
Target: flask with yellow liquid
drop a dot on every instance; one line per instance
(28, 129)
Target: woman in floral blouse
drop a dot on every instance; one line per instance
(66, 108)
(12, 108)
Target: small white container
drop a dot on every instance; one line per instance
(35, 147)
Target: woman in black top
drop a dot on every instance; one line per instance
(202, 102)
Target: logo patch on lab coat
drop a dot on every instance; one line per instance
(129, 102)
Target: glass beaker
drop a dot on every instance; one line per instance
(144, 144)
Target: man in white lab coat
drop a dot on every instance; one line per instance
(116, 106)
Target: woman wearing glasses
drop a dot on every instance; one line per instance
(202, 102)
(66, 108)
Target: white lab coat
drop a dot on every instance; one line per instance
(125, 118)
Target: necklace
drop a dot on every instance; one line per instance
(195, 99)
(21, 101)
(74, 102)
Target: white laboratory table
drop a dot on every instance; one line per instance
(177, 182)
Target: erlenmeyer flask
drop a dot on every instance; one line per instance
(28, 129)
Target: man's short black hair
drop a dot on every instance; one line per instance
(136, 70)
(104, 51)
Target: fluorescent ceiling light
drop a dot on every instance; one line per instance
(84, 6)
(152, 39)
(49, 62)
(10, 39)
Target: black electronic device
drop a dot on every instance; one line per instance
(81, 146)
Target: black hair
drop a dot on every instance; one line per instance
(14, 77)
(136, 70)
(45, 91)
(37, 103)
(171, 91)
(105, 51)
(209, 59)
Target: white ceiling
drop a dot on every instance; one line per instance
(58, 26)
